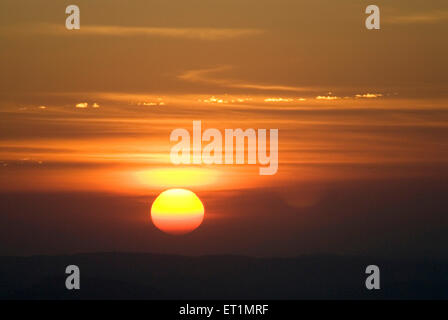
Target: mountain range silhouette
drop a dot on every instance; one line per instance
(161, 277)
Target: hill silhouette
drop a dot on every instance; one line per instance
(159, 277)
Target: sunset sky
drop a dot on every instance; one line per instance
(86, 116)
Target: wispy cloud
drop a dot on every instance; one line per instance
(226, 100)
(124, 31)
(424, 18)
(369, 95)
(278, 100)
(82, 105)
(159, 102)
(327, 98)
(207, 76)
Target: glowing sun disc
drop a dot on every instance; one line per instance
(177, 211)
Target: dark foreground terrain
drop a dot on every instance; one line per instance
(151, 276)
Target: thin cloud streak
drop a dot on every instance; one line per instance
(204, 76)
(423, 18)
(208, 34)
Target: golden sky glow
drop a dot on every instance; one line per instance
(86, 117)
(93, 110)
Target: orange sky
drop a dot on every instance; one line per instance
(127, 150)
(92, 110)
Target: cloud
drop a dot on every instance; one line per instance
(205, 76)
(188, 33)
(123, 31)
(225, 100)
(423, 18)
(327, 98)
(151, 103)
(369, 95)
(202, 75)
(278, 100)
(82, 105)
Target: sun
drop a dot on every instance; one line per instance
(177, 211)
